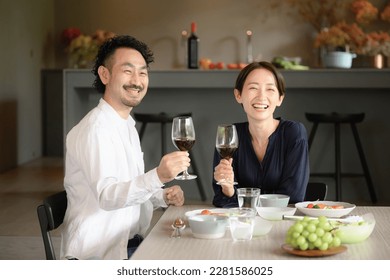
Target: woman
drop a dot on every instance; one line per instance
(273, 152)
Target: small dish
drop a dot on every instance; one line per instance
(331, 213)
(208, 226)
(273, 200)
(275, 213)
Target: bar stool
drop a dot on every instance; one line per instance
(164, 118)
(337, 119)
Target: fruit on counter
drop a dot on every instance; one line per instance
(236, 65)
(218, 65)
(312, 234)
(208, 64)
(205, 63)
(288, 64)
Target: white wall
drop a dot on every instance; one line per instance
(221, 27)
(26, 28)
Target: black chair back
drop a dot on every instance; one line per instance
(51, 215)
(316, 191)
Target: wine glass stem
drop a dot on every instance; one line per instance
(185, 173)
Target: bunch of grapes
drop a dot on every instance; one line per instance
(312, 234)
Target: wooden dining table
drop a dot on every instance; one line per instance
(158, 244)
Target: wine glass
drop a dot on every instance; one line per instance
(226, 143)
(183, 137)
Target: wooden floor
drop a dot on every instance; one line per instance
(21, 191)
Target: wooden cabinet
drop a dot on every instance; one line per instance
(8, 134)
(52, 113)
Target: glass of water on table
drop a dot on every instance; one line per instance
(248, 197)
(242, 221)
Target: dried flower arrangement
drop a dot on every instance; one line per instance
(82, 48)
(347, 22)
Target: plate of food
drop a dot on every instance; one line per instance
(314, 253)
(207, 211)
(331, 209)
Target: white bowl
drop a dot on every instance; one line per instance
(273, 200)
(331, 213)
(275, 213)
(208, 226)
(356, 232)
(262, 227)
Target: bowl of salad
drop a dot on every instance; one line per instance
(331, 209)
(355, 232)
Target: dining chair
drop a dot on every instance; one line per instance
(316, 191)
(51, 215)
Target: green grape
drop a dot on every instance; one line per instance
(304, 246)
(311, 228)
(336, 242)
(327, 238)
(322, 219)
(324, 246)
(318, 243)
(305, 233)
(312, 237)
(298, 227)
(306, 219)
(301, 240)
(320, 232)
(312, 234)
(295, 234)
(327, 227)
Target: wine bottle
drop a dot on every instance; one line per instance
(193, 43)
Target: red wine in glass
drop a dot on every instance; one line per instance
(226, 144)
(183, 137)
(226, 151)
(184, 144)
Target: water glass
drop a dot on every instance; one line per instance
(248, 197)
(242, 221)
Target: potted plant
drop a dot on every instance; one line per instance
(340, 42)
(81, 48)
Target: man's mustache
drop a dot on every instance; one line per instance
(139, 88)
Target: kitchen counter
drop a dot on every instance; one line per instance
(209, 96)
(315, 78)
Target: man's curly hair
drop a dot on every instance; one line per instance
(107, 50)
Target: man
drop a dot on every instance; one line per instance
(110, 198)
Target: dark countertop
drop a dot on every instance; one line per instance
(313, 78)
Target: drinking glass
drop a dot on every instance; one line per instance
(226, 143)
(242, 221)
(248, 197)
(183, 137)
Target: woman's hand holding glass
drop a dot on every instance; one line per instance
(226, 144)
(224, 174)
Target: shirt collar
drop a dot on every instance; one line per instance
(104, 106)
